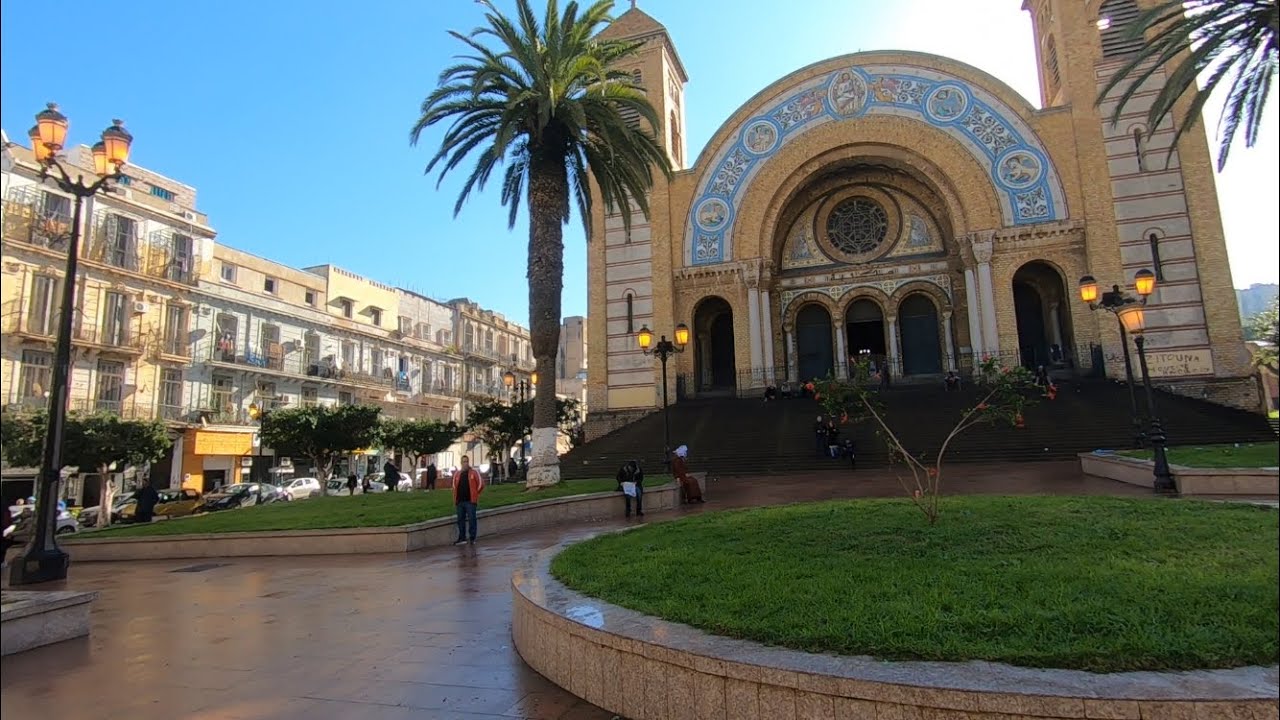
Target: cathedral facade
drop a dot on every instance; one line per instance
(918, 212)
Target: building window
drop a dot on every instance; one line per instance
(269, 285)
(44, 303)
(1140, 147)
(222, 393)
(110, 389)
(676, 142)
(310, 396)
(35, 375)
(180, 264)
(228, 272)
(1051, 62)
(631, 314)
(345, 398)
(488, 340)
(348, 308)
(170, 393)
(375, 316)
(404, 325)
(310, 297)
(637, 78)
(121, 242)
(427, 375)
(124, 180)
(348, 355)
(115, 321)
(311, 348)
(225, 349)
(375, 361)
(1154, 239)
(469, 333)
(175, 329)
(162, 193)
(1115, 20)
(272, 351)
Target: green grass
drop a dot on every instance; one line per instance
(376, 510)
(1099, 584)
(1245, 455)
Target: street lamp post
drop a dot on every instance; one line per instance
(664, 350)
(1113, 301)
(523, 389)
(43, 560)
(1131, 313)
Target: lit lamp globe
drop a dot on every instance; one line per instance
(1144, 281)
(509, 378)
(645, 337)
(53, 127)
(116, 141)
(1088, 289)
(38, 147)
(533, 378)
(1133, 318)
(100, 163)
(682, 335)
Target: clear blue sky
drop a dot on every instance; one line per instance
(291, 119)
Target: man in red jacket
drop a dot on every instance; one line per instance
(467, 486)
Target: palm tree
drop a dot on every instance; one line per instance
(1227, 38)
(549, 103)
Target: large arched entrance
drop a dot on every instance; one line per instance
(815, 356)
(713, 346)
(864, 324)
(1040, 304)
(918, 321)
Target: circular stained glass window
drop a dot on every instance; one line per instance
(857, 226)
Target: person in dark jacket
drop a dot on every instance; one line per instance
(630, 472)
(513, 469)
(433, 474)
(352, 482)
(146, 499)
(391, 476)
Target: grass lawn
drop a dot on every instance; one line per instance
(376, 510)
(1100, 584)
(1246, 455)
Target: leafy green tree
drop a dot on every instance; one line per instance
(500, 425)
(1219, 39)
(104, 442)
(322, 433)
(22, 437)
(548, 101)
(1004, 393)
(1265, 326)
(415, 438)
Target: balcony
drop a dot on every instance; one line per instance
(442, 390)
(173, 347)
(267, 356)
(121, 407)
(37, 218)
(475, 352)
(29, 326)
(120, 342)
(117, 242)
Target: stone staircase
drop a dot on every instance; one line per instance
(729, 436)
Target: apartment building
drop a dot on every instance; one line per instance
(172, 325)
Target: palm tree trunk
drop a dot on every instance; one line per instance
(548, 200)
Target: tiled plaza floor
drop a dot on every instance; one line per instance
(383, 637)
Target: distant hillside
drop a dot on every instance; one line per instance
(1256, 298)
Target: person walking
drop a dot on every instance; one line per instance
(432, 475)
(833, 439)
(467, 487)
(351, 484)
(820, 435)
(631, 485)
(391, 476)
(146, 499)
(366, 485)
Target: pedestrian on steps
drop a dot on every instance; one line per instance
(820, 436)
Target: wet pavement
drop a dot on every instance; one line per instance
(376, 637)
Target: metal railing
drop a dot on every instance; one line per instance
(29, 218)
(122, 340)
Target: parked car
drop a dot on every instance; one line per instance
(24, 526)
(240, 495)
(301, 488)
(89, 516)
(405, 483)
(173, 502)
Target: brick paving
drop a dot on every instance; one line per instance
(382, 637)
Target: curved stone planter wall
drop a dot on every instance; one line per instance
(648, 669)
(355, 541)
(1190, 481)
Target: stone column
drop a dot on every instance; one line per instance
(766, 311)
(789, 348)
(975, 314)
(1055, 325)
(703, 361)
(981, 244)
(842, 354)
(948, 340)
(753, 321)
(895, 361)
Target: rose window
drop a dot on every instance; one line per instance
(857, 226)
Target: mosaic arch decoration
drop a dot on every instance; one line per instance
(998, 138)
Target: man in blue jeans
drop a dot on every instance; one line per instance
(467, 486)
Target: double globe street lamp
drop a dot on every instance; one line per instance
(664, 350)
(43, 560)
(1131, 314)
(523, 389)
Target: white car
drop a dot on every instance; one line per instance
(302, 488)
(405, 483)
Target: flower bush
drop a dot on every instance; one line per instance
(1004, 393)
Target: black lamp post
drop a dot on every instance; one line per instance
(43, 560)
(523, 389)
(1132, 316)
(1113, 301)
(664, 350)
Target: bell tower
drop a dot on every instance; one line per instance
(1146, 202)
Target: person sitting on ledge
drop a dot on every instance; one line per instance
(770, 393)
(951, 381)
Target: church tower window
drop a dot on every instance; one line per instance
(1115, 20)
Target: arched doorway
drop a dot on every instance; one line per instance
(864, 325)
(918, 320)
(815, 357)
(713, 346)
(1041, 306)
